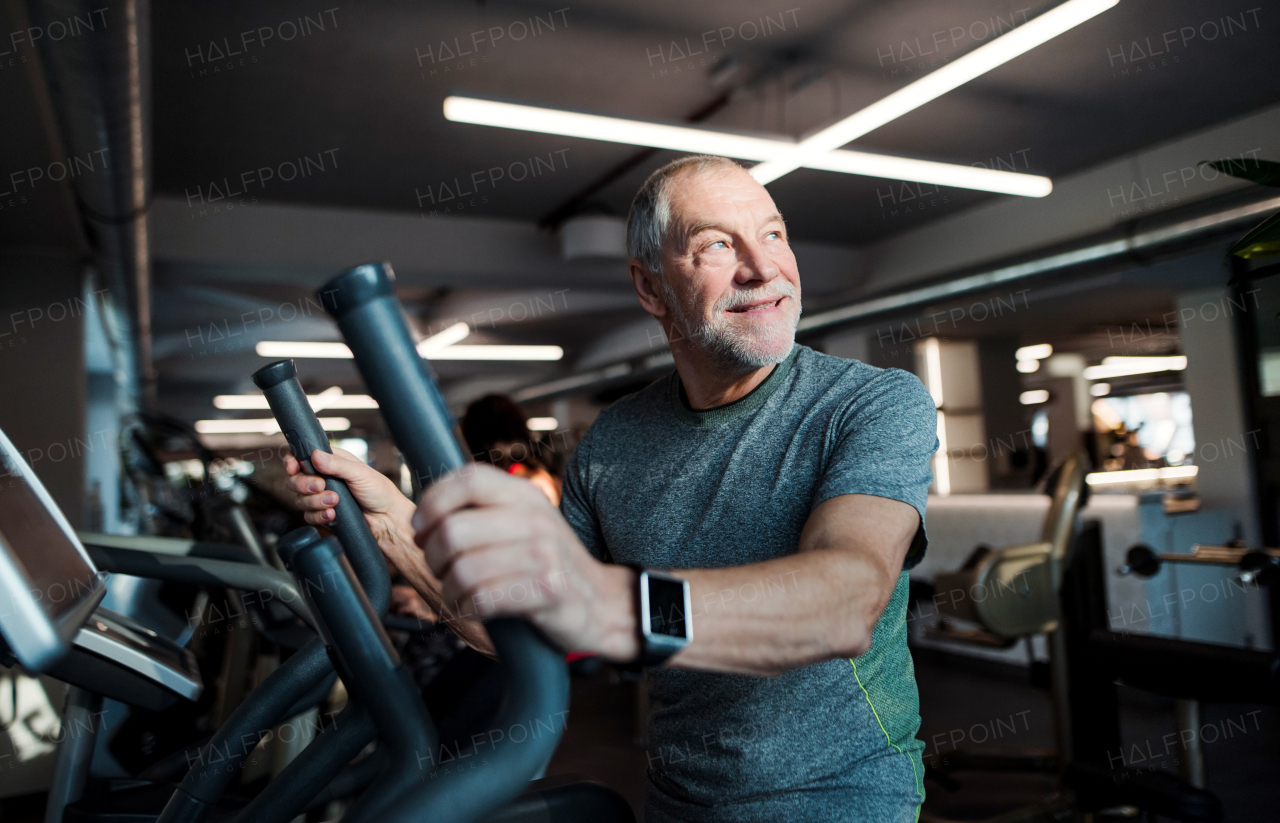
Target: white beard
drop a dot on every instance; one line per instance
(735, 346)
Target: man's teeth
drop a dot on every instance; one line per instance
(745, 309)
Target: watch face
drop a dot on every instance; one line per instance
(666, 607)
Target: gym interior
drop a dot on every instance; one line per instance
(236, 233)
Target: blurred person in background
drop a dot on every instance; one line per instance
(497, 433)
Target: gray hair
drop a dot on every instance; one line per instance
(650, 215)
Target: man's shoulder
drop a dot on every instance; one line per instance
(854, 381)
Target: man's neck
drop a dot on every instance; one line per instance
(707, 385)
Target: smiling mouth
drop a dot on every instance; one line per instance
(754, 307)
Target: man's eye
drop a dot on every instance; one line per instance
(715, 243)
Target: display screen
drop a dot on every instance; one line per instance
(40, 546)
(666, 607)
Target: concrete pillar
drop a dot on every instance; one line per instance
(1224, 448)
(950, 370)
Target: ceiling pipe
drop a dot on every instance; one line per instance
(1131, 242)
(1137, 242)
(96, 60)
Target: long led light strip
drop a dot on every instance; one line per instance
(441, 346)
(266, 425)
(935, 84)
(518, 116)
(1141, 475)
(820, 150)
(454, 334)
(497, 352)
(331, 398)
(1125, 366)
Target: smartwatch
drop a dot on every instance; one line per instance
(662, 616)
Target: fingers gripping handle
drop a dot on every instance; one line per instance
(302, 430)
(363, 302)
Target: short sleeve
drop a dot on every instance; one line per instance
(575, 500)
(881, 442)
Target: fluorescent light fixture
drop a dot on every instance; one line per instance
(325, 399)
(1034, 397)
(1177, 361)
(331, 398)
(266, 425)
(1125, 366)
(931, 172)
(451, 335)
(1036, 352)
(1142, 475)
(1028, 366)
(935, 84)
(339, 351)
(241, 401)
(542, 424)
(497, 353)
(1100, 389)
(482, 112)
(295, 348)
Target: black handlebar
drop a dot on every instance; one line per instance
(302, 430)
(372, 322)
(235, 739)
(369, 666)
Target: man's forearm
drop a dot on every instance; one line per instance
(395, 537)
(767, 618)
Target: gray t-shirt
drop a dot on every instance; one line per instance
(656, 483)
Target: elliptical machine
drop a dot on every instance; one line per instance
(342, 589)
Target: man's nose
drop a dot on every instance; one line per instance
(755, 264)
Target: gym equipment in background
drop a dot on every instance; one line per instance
(1256, 565)
(49, 588)
(1058, 587)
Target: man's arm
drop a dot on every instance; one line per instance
(499, 548)
(818, 604)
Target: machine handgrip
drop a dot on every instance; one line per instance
(372, 322)
(368, 663)
(374, 327)
(302, 430)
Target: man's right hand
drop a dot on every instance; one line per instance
(389, 513)
(374, 491)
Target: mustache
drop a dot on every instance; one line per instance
(771, 293)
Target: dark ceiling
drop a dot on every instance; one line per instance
(357, 90)
(360, 96)
(370, 86)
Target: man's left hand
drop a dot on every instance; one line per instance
(500, 548)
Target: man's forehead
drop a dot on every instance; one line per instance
(717, 199)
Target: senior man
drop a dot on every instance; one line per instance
(787, 487)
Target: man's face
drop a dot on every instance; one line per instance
(729, 278)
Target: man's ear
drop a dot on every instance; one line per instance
(642, 279)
